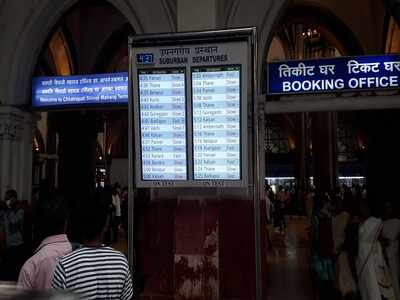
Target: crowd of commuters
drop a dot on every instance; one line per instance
(353, 242)
(89, 268)
(286, 201)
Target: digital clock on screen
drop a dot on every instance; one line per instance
(145, 58)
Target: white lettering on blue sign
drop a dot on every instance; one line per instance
(391, 65)
(334, 75)
(355, 67)
(326, 69)
(313, 85)
(300, 70)
(83, 90)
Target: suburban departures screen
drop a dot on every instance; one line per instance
(216, 123)
(162, 100)
(190, 105)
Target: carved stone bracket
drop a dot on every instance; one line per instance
(13, 123)
(16, 131)
(10, 131)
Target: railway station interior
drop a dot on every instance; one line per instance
(319, 153)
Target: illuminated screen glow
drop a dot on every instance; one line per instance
(162, 105)
(216, 123)
(80, 90)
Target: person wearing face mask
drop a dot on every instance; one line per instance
(13, 224)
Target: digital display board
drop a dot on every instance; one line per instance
(80, 90)
(189, 111)
(216, 123)
(162, 107)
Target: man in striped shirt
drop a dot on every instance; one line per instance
(94, 271)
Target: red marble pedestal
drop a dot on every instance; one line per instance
(198, 249)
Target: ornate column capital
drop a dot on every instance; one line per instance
(16, 131)
(13, 123)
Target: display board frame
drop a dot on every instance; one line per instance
(229, 41)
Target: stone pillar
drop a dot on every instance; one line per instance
(76, 150)
(197, 15)
(16, 133)
(383, 161)
(302, 150)
(51, 149)
(77, 160)
(324, 145)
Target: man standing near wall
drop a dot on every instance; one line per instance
(15, 251)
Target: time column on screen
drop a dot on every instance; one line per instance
(216, 123)
(163, 125)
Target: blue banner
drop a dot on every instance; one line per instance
(82, 90)
(342, 74)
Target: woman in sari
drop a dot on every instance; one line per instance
(344, 279)
(391, 233)
(373, 275)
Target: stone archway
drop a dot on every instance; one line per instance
(26, 32)
(264, 15)
(37, 27)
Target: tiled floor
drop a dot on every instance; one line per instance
(288, 266)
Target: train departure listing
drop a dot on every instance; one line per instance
(162, 105)
(216, 123)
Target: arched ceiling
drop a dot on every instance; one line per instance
(26, 28)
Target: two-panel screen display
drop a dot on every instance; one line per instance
(201, 135)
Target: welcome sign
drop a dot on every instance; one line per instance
(80, 90)
(334, 75)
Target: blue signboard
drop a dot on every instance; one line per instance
(334, 75)
(82, 90)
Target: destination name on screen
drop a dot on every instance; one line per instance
(200, 135)
(199, 155)
(162, 114)
(175, 135)
(153, 169)
(219, 148)
(149, 148)
(163, 141)
(176, 162)
(203, 134)
(216, 126)
(222, 112)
